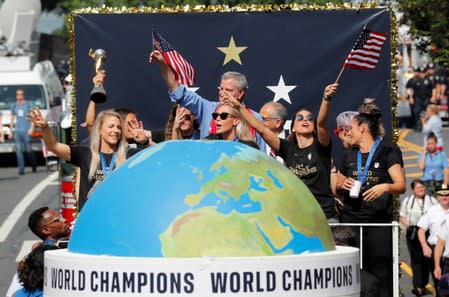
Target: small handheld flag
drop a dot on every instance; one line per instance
(366, 52)
(184, 72)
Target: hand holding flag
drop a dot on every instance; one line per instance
(184, 72)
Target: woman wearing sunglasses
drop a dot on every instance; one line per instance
(307, 150)
(231, 127)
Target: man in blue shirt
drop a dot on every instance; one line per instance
(232, 83)
(20, 130)
(434, 165)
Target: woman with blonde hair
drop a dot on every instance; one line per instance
(231, 127)
(107, 149)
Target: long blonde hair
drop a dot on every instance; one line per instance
(242, 129)
(95, 140)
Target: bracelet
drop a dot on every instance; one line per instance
(327, 98)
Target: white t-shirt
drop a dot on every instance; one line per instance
(413, 208)
(443, 233)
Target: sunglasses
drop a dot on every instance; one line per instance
(299, 117)
(223, 115)
(188, 117)
(57, 218)
(337, 131)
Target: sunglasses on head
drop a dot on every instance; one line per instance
(223, 115)
(299, 117)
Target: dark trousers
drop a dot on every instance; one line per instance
(378, 256)
(419, 106)
(420, 264)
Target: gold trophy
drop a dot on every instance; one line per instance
(98, 93)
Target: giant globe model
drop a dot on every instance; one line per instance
(201, 198)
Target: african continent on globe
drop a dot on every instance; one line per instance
(201, 198)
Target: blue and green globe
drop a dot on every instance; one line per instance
(198, 199)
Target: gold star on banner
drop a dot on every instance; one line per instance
(232, 52)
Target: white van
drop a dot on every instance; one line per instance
(42, 89)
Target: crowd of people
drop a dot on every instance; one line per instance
(359, 189)
(423, 106)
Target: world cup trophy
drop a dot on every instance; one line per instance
(98, 93)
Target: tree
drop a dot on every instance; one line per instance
(429, 23)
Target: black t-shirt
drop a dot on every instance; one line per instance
(80, 156)
(356, 210)
(312, 165)
(420, 91)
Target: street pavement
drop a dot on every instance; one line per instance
(19, 196)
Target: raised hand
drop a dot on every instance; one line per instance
(35, 116)
(230, 100)
(156, 57)
(330, 90)
(98, 79)
(137, 131)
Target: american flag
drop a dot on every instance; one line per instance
(184, 72)
(366, 52)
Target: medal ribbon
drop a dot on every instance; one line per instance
(105, 168)
(362, 177)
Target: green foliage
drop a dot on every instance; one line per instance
(429, 23)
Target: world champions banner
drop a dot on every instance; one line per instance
(288, 56)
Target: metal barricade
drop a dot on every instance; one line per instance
(395, 248)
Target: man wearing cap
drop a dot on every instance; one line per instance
(432, 222)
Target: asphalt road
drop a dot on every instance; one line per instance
(20, 195)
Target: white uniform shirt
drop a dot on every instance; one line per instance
(433, 220)
(443, 234)
(414, 210)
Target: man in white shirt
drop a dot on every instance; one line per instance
(274, 116)
(432, 221)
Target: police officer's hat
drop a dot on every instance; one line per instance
(442, 190)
